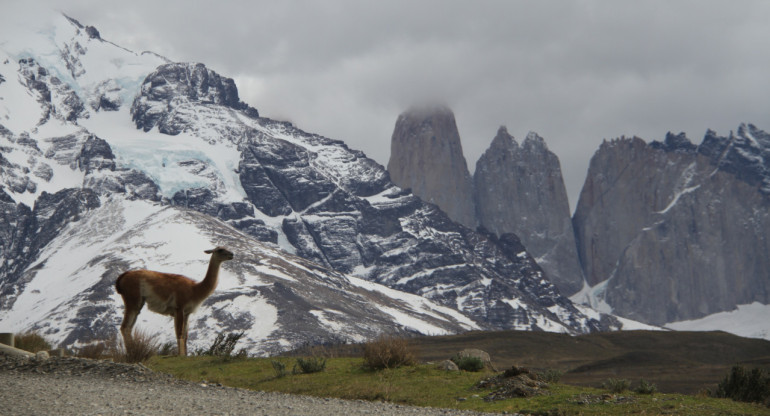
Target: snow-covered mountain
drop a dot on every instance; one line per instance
(279, 299)
(111, 160)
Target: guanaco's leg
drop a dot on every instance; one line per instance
(180, 325)
(184, 332)
(129, 319)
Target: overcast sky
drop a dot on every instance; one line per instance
(575, 72)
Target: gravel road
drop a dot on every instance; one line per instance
(76, 386)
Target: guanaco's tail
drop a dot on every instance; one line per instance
(117, 284)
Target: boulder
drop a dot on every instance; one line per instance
(448, 365)
(512, 383)
(477, 353)
(15, 352)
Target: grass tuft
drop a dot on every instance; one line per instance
(551, 375)
(309, 365)
(32, 342)
(616, 386)
(224, 345)
(468, 363)
(388, 352)
(96, 350)
(645, 387)
(139, 348)
(280, 368)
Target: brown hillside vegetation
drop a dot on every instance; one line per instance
(677, 362)
(681, 362)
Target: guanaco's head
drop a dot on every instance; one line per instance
(220, 253)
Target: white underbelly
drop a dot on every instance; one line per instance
(157, 304)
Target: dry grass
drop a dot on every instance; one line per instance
(389, 352)
(140, 348)
(32, 342)
(96, 350)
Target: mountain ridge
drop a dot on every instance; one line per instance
(660, 229)
(706, 199)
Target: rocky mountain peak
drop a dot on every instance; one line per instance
(675, 143)
(534, 142)
(57, 99)
(426, 156)
(503, 141)
(520, 190)
(164, 89)
(679, 141)
(745, 154)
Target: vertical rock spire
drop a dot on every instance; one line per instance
(519, 189)
(426, 156)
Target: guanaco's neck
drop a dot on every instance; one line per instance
(205, 287)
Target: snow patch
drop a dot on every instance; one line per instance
(676, 198)
(749, 321)
(593, 296)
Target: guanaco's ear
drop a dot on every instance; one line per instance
(209, 251)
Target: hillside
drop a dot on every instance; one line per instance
(677, 362)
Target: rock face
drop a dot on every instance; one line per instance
(678, 231)
(168, 93)
(427, 157)
(56, 98)
(520, 190)
(26, 231)
(515, 189)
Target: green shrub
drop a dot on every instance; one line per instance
(550, 375)
(309, 365)
(616, 385)
(168, 348)
(388, 352)
(468, 363)
(745, 386)
(280, 368)
(646, 387)
(32, 342)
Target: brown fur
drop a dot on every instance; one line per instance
(167, 294)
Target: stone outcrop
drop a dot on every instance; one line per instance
(427, 157)
(166, 95)
(678, 231)
(25, 231)
(520, 190)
